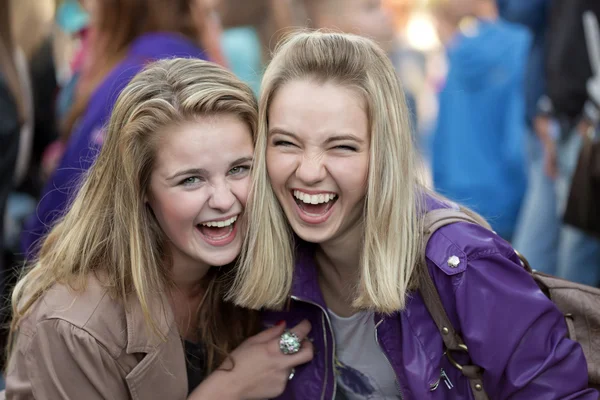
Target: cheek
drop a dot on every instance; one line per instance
(280, 166)
(240, 190)
(351, 174)
(171, 209)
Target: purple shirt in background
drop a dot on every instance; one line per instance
(88, 135)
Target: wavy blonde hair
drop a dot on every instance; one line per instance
(391, 241)
(110, 229)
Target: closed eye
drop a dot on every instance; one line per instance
(345, 147)
(283, 143)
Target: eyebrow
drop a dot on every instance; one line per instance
(330, 139)
(202, 171)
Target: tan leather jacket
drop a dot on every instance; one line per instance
(88, 346)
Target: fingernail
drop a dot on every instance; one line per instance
(282, 322)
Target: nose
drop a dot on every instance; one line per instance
(311, 170)
(222, 197)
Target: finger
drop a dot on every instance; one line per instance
(270, 333)
(305, 354)
(302, 329)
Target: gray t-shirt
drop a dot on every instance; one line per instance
(362, 370)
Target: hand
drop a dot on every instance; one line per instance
(259, 370)
(51, 158)
(542, 129)
(585, 128)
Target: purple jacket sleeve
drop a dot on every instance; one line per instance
(513, 330)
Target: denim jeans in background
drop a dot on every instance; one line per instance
(548, 244)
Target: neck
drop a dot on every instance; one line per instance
(187, 294)
(188, 275)
(339, 269)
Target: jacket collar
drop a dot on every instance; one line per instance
(163, 359)
(140, 336)
(305, 285)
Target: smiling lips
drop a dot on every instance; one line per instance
(218, 233)
(314, 208)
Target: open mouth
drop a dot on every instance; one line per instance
(314, 205)
(218, 233)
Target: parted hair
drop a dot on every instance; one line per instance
(109, 230)
(392, 226)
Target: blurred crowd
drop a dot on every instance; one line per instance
(499, 90)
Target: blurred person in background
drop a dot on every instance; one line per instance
(126, 35)
(538, 224)
(477, 151)
(251, 31)
(13, 115)
(409, 62)
(563, 115)
(361, 17)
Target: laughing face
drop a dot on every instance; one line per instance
(318, 158)
(199, 187)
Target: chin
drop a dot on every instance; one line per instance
(315, 235)
(221, 257)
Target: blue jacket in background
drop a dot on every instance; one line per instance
(87, 137)
(532, 14)
(478, 145)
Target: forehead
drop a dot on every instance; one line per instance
(204, 140)
(309, 106)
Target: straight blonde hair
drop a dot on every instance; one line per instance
(110, 230)
(392, 226)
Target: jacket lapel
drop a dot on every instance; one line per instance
(161, 373)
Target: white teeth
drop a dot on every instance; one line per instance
(220, 224)
(315, 198)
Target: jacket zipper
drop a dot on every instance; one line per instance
(387, 359)
(324, 317)
(443, 376)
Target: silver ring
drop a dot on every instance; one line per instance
(289, 343)
(292, 373)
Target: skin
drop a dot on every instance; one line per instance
(362, 17)
(202, 174)
(319, 144)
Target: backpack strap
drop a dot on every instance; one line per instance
(434, 220)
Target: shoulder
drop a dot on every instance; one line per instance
(456, 246)
(90, 130)
(109, 90)
(466, 241)
(89, 312)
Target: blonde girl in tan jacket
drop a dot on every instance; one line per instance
(126, 298)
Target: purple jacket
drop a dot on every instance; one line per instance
(511, 329)
(87, 137)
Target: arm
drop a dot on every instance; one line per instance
(522, 345)
(63, 362)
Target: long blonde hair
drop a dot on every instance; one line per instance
(391, 241)
(109, 229)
